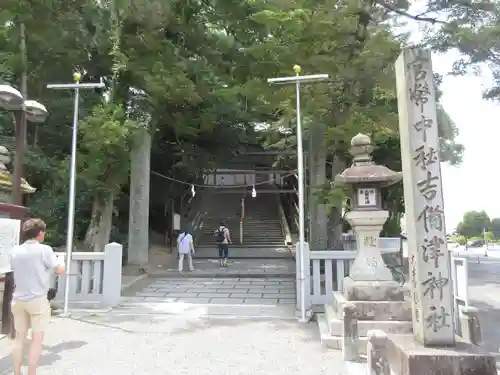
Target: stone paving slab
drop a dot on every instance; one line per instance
(218, 291)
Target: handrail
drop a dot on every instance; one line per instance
(242, 216)
(284, 224)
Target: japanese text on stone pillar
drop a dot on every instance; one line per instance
(433, 275)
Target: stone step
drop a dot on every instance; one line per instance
(249, 311)
(375, 310)
(236, 239)
(335, 342)
(262, 230)
(277, 244)
(335, 327)
(249, 245)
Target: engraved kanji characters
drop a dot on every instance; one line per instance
(433, 218)
(370, 241)
(420, 91)
(422, 125)
(428, 186)
(431, 250)
(425, 157)
(437, 318)
(435, 284)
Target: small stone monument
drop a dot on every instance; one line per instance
(433, 349)
(375, 300)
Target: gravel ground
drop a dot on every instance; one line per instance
(172, 344)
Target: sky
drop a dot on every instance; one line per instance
(473, 184)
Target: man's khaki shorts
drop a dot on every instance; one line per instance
(34, 314)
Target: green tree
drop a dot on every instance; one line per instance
(474, 223)
(473, 28)
(495, 227)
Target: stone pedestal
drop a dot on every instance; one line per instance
(368, 265)
(380, 305)
(375, 299)
(405, 356)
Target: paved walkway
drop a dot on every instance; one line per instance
(253, 262)
(484, 293)
(218, 291)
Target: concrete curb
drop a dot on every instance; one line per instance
(194, 275)
(133, 281)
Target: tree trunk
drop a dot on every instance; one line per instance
(317, 179)
(335, 219)
(138, 225)
(99, 229)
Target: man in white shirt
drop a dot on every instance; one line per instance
(185, 247)
(33, 265)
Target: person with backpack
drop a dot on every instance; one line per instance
(223, 238)
(185, 247)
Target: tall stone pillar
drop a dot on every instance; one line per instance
(334, 226)
(433, 349)
(318, 221)
(138, 227)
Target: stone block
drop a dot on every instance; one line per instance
(389, 326)
(372, 290)
(407, 357)
(335, 342)
(375, 310)
(349, 333)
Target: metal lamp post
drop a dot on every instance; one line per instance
(297, 80)
(72, 179)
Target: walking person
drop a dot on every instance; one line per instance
(33, 265)
(185, 247)
(223, 237)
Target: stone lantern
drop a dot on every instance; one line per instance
(369, 298)
(366, 179)
(6, 181)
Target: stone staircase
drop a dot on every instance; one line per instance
(261, 225)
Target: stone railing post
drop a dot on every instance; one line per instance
(112, 274)
(350, 332)
(470, 325)
(377, 362)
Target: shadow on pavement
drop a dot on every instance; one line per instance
(186, 325)
(50, 355)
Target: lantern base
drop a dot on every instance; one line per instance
(404, 356)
